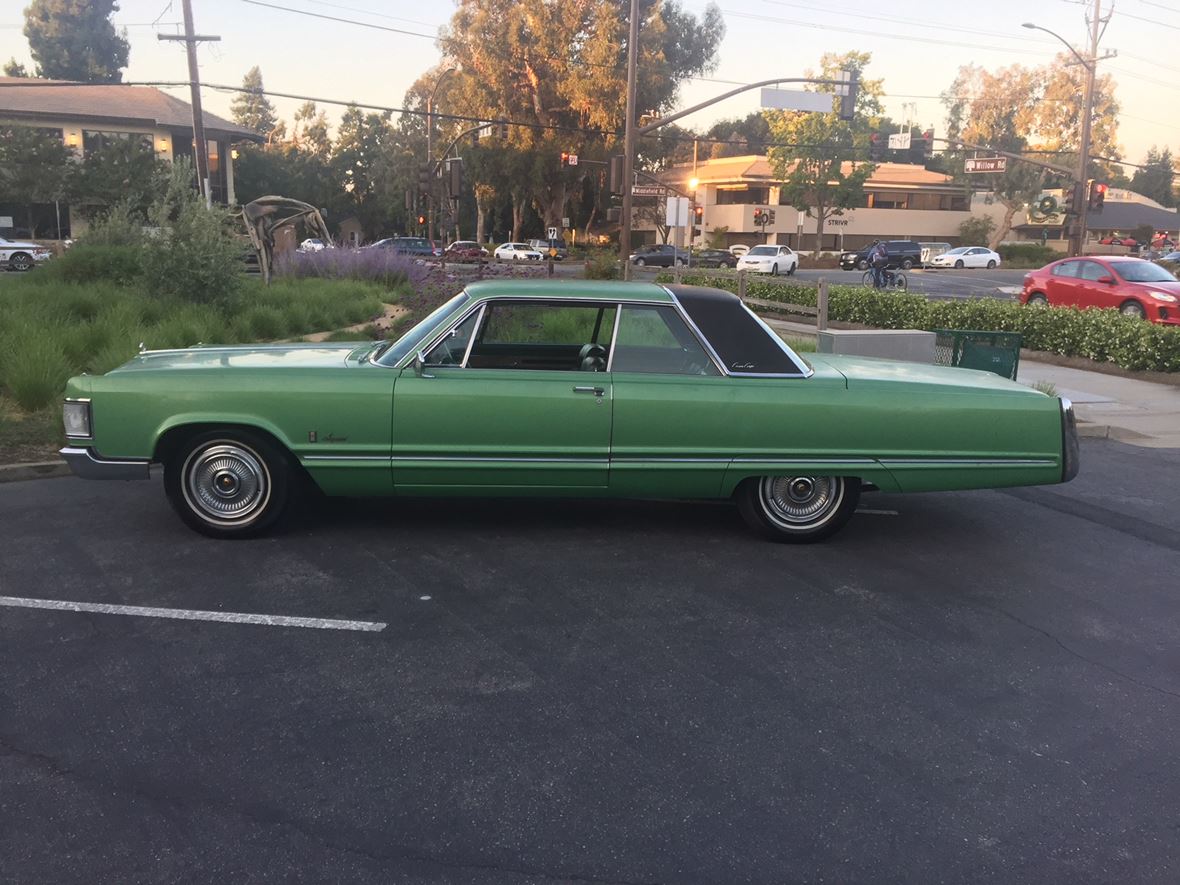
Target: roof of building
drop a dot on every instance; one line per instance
(757, 167)
(27, 98)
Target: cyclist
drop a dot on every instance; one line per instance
(879, 260)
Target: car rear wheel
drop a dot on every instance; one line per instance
(791, 270)
(1133, 309)
(228, 483)
(907, 264)
(991, 263)
(862, 265)
(1036, 299)
(959, 264)
(680, 262)
(774, 269)
(21, 261)
(798, 509)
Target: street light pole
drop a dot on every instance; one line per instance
(1090, 63)
(629, 139)
(429, 144)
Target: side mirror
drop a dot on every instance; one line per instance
(420, 365)
(1106, 278)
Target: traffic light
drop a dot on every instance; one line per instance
(421, 219)
(848, 100)
(768, 215)
(1097, 196)
(1073, 198)
(455, 181)
(876, 146)
(565, 157)
(917, 151)
(616, 174)
(424, 178)
(759, 217)
(698, 215)
(928, 143)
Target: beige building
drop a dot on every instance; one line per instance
(87, 116)
(901, 201)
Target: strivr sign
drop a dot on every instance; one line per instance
(985, 164)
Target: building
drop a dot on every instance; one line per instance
(86, 116)
(901, 201)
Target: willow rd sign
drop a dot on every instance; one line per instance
(985, 164)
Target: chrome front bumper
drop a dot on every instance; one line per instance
(87, 465)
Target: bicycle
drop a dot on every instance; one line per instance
(893, 280)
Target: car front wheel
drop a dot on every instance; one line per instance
(862, 265)
(907, 264)
(1133, 309)
(639, 262)
(959, 264)
(228, 483)
(798, 509)
(1036, 299)
(21, 261)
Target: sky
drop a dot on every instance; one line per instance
(917, 47)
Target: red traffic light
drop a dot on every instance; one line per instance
(699, 212)
(421, 219)
(565, 156)
(1100, 188)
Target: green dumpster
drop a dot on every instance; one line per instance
(997, 352)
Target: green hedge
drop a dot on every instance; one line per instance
(1100, 335)
(1028, 253)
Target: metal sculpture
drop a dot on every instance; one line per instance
(266, 215)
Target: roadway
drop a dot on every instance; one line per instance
(976, 686)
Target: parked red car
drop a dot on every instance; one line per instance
(1133, 286)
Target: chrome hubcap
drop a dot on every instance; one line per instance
(226, 483)
(801, 501)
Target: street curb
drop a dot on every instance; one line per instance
(35, 470)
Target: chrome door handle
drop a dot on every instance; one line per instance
(597, 391)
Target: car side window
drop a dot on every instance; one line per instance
(1067, 269)
(553, 336)
(1092, 270)
(453, 347)
(655, 340)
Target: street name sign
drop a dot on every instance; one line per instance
(647, 190)
(899, 141)
(796, 100)
(985, 164)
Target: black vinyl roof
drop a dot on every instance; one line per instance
(742, 342)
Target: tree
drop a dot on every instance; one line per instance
(996, 110)
(562, 66)
(746, 136)
(310, 131)
(75, 40)
(252, 108)
(13, 68)
(362, 167)
(1154, 178)
(33, 167)
(820, 171)
(977, 229)
(124, 171)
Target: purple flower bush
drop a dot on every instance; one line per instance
(380, 266)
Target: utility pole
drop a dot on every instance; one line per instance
(1087, 117)
(191, 40)
(429, 151)
(629, 139)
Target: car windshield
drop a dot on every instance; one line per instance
(417, 335)
(762, 250)
(959, 251)
(1143, 272)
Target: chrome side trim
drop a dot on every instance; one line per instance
(1070, 450)
(773, 459)
(345, 458)
(87, 465)
(969, 462)
(614, 337)
(474, 333)
(498, 460)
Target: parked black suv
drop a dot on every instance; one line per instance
(902, 253)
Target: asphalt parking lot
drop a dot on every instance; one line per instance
(979, 686)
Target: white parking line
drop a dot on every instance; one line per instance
(185, 614)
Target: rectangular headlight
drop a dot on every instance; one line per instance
(76, 418)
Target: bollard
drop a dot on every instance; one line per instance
(821, 306)
(741, 275)
(550, 265)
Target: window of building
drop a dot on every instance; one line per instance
(97, 139)
(745, 195)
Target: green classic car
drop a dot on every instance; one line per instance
(572, 389)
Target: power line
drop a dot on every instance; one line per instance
(347, 21)
(395, 18)
(1150, 21)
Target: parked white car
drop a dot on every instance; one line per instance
(18, 255)
(313, 244)
(773, 260)
(516, 252)
(967, 256)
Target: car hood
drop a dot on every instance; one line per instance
(1172, 287)
(863, 371)
(22, 245)
(265, 356)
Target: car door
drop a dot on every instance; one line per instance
(1090, 292)
(662, 379)
(515, 397)
(1061, 284)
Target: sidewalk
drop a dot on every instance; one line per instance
(1141, 413)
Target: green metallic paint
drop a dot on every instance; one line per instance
(380, 430)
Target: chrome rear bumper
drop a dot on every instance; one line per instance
(87, 465)
(1069, 441)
